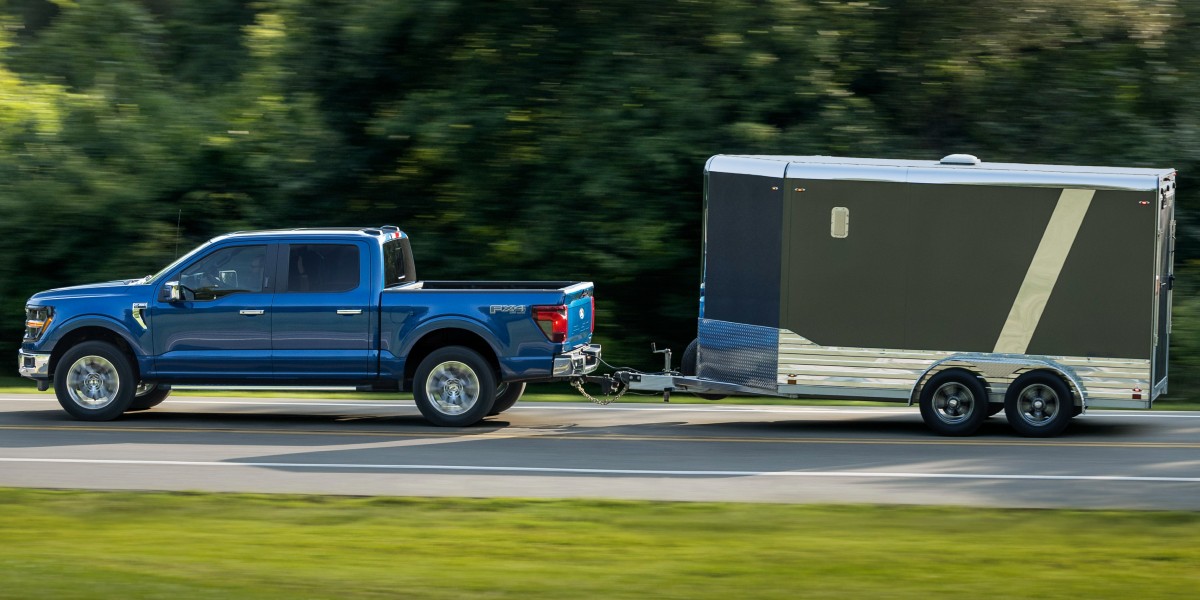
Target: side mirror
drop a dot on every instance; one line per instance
(174, 294)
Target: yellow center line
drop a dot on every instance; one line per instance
(491, 434)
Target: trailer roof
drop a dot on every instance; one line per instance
(932, 171)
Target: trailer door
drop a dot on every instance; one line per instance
(1164, 282)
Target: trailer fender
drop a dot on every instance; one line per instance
(992, 368)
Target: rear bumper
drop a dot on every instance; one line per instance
(580, 361)
(34, 365)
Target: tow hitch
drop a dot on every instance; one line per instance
(608, 384)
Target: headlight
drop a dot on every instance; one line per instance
(37, 320)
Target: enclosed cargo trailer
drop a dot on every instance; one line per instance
(963, 286)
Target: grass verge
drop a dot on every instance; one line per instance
(116, 544)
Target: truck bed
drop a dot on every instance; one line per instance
(488, 285)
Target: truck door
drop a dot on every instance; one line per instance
(323, 312)
(222, 328)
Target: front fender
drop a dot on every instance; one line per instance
(137, 342)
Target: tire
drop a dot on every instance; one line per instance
(454, 387)
(94, 381)
(506, 396)
(995, 408)
(687, 367)
(1039, 404)
(954, 403)
(148, 395)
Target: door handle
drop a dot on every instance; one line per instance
(349, 311)
(251, 312)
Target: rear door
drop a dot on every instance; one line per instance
(322, 319)
(1164, 281)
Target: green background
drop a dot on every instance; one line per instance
(532, 140)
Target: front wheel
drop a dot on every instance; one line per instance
(506, 396)
(454, 387)
(148, 395)
(94, 381)
(954, 402)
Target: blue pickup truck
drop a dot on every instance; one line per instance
(307, 307)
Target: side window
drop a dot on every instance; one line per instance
(322, 267)
(226, 271)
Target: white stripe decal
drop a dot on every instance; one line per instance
(1044, 271)
(588, 471)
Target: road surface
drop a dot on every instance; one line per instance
(1111, 459)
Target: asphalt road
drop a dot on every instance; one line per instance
(1126, 459)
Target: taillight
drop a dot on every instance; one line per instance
(553, 321)
(593, 329)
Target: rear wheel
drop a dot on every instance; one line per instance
(94, 381)
(148, 395)
(1039, 404)
(687, 367)
(506, 396)
(954, 402)
(454, 387)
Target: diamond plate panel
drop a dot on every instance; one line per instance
(737, 353)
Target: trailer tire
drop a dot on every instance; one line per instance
(152, 396)
(1039, 404)
(687, 367)
(454, 387)
(94, 381)
(954, 403)
(506, 396)
(995, 408)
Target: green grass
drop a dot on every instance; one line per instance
(65, 544)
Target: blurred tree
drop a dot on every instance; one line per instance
(540, 139)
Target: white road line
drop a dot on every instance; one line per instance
(582, 471)
(862, 410)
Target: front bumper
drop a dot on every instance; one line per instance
(580, 361)
(34, 365)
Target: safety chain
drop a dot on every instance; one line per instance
(608, 399)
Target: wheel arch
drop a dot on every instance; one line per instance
(449, 334)
(85, 330)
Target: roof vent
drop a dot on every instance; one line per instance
(960, 159)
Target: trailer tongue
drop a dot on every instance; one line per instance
(962, 286)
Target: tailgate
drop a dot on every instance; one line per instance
(580, 302)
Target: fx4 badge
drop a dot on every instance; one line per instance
(139, 309)
(510, 309)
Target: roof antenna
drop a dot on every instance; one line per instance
(178, 218)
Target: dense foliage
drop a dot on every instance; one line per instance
(543, 139)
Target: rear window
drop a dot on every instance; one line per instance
(323, 268)
(395, 264)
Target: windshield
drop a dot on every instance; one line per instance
(178, 261)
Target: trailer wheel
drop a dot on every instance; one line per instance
(1039, 404)
(148, 395)
(94, 381)
(954, 402)
(687, 367)
(506, 396)
(454, 387)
